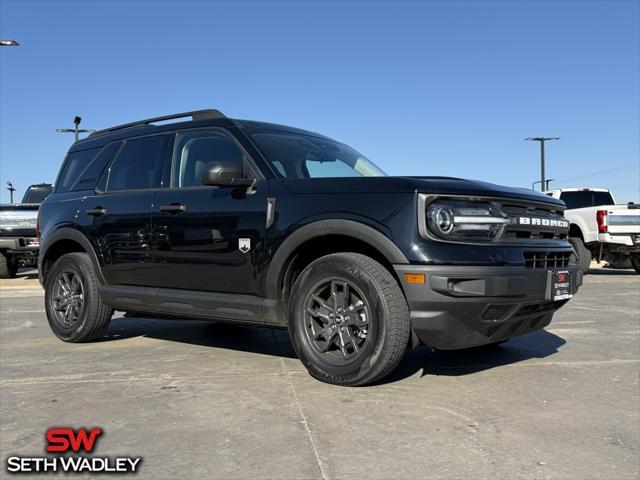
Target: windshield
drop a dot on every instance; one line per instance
(582, 199)
(295, 155)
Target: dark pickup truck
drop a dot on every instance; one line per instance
(18, 231)
(267, 225)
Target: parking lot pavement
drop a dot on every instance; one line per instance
(205, 400)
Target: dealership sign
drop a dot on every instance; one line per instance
(71, 442)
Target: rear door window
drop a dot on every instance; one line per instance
(582, 199)
(138, 164)
(73, 166)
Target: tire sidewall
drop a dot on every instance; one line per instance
(582, 252)
(69, 263)
(360, 368)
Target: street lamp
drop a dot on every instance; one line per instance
(8, 43)
(11, 190)
(76, 130)
(533, 185)
(543, 182)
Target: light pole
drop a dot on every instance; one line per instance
(533, 185)
(76, 130)
(543, 182)
(11, 190)
(9, 43)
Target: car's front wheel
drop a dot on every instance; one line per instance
(348, 319)
(635, 262)
(72, 301)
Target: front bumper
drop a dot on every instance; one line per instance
(460, 307)
(19, 244)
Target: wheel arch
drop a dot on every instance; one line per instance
(321, 238)
(575, 231)
(63, 241)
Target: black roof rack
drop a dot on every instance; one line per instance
(195, 115)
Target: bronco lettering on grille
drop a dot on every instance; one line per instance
(544, 222)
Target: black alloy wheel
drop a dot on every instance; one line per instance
(337, 320)
(72, 300)
(67, 298)
(348, 319)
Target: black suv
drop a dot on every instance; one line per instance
(263, 224)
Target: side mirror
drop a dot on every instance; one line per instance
(225, 174)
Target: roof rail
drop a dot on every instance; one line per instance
(195, 115)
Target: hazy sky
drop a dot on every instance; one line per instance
(421, 88)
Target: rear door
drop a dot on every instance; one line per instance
(208, 238)
(118, 218)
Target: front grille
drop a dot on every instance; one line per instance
(496, 312)
(542, 230)
(545, 260)
(527, 318)
(544, 307)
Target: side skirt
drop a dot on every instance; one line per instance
(246, 309)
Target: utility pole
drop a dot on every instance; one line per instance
(543, 182)
(76, 131)
(11, 190)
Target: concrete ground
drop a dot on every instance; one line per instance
(202, 400)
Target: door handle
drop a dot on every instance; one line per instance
(174, 208)
(97, 212)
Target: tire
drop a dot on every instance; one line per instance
(618, 261)
(583, 254)
(635, 262)
(8, 267)
(376, 329)
(87, 319)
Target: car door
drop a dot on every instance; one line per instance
(208, 238)
(118, 217)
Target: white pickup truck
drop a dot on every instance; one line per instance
(600, 229)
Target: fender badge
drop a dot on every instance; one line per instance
(244, 244)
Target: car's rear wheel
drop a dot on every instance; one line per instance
(72, 301)
(8, 266)
(582, 252)
(348, 319)
(635, 262)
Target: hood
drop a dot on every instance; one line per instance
(433, 185)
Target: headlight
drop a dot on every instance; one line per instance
(461, 220)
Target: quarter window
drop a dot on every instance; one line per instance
(195, 152)
(74, 165)
(138, 164)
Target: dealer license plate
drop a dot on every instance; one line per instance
(561, 285)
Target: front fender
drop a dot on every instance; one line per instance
(350, 228)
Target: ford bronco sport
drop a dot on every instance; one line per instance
(262, 224)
